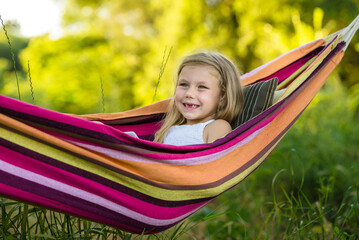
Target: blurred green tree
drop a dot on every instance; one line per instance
(123, 44)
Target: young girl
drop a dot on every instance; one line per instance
(208, 96)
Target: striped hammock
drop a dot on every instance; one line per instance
(95, 171)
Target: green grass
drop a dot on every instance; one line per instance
(22, 221)
(238, 214)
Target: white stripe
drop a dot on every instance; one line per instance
(76, 192)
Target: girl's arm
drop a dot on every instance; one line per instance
(215, 130)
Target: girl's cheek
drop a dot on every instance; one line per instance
(179, 92)
(178, 95)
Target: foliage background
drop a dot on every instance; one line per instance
(121, 45)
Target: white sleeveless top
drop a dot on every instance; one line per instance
(181, 135)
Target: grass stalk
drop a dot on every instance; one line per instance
(24, 221)
(102, 95)
(12, 56)
(30, 81)
(162, 69)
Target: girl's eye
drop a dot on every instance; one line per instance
(202, 87)
(183, 84)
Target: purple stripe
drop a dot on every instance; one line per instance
(56, 125)
(66, 199)
(31, 156)
(81, 204)
(140, 146)
(97, 189)
(258, 69)
(326, 47)
(138, 120)
(121, 209)
(20, 195)
(286, 72)
(79, 128)
(328, 58)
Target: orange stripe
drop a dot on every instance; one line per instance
(51, 140)
(155, 108)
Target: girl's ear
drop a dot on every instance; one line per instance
(222, 102)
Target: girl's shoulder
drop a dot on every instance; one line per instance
(216, 129)
(220, 123)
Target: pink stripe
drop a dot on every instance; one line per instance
(274, 60)
(77, 192)
(184, 152)
(64, 118)
(18, 194)
(140, 129)
(141, 144)
(289, 70)
(27, 108)
(133, 204)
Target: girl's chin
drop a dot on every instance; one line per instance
(191, 121)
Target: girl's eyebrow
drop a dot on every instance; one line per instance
(202, 82)
(196, 83)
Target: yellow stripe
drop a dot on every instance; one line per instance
(296, 73)
(156, 192)
(313, 66)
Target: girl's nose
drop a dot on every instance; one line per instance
(190, 93)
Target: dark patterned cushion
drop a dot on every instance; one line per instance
(257, 98)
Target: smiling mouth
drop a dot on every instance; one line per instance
(190, 106)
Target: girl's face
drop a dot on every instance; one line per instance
(198, 93)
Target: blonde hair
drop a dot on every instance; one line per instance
(230, 85)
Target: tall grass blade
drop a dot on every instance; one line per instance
(3, 215)
(69, 226)
(24, 221)
(102, 95)
(12, 55)
(30, 80)
(273, 192)
(162, 69)
(176, 231)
